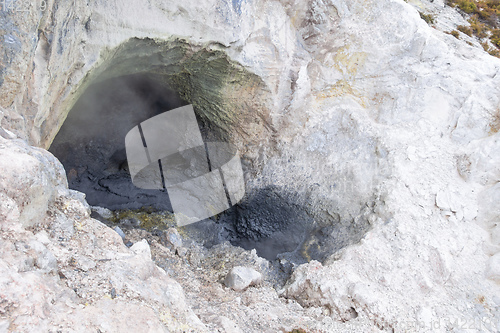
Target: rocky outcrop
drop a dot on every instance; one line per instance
(63, 270)
(381, 129)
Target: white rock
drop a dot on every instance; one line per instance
(228, 325)
(239, 278)
(43, 237)
(446, 200)
(495, 234)
(142, 248)
(493, 270)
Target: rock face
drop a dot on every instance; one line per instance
(383, 131)
(63, 270)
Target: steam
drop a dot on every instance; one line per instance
(91, 146)
(91, 142)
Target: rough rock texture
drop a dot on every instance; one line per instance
(67, 271)
(202, 272)
(380, 127)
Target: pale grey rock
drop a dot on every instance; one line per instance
(495, 235)
(88, 272)
(44, 259)
(7, 134)
(9, 213)
(30, 177)
(108, 315)
(43, 237)
(240, 278)
(182, 251)
(228, 325)
(172, 239)
(120, 232)
(196, 255)
(60, 268)
(62, 226)
(84, 263)
(131, 222)
(4, 325)
(104, 212)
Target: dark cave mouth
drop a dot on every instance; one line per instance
(146, 78)
(91, 147)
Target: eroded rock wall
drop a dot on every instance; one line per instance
(371, 118)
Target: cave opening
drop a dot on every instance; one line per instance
(91, 143)
(91, 147)
(145, 80)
